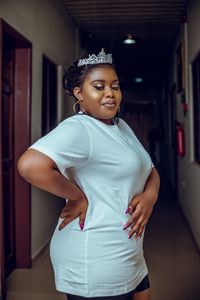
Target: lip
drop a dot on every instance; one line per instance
(111, 102)
(110, 105)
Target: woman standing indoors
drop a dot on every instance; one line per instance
(94, 160)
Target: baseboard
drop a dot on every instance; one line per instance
(36, 256)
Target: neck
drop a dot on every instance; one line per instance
(106, 121)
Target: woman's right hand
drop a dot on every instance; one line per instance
(72, 210)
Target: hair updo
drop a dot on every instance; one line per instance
(75, 75)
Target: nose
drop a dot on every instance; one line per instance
(109, 93)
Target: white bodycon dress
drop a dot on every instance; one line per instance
(111, 166)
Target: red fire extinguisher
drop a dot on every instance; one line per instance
(180, 139)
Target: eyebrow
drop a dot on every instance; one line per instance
(103, 81)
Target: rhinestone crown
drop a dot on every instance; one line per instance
(101, 58)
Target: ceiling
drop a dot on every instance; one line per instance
(154, 24)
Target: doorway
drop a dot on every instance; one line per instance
(8, 151)
(15, 91)
(49, 94)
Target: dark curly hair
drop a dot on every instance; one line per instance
(75, 75)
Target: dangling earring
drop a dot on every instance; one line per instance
(75, 104)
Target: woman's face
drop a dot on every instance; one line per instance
(100, 94)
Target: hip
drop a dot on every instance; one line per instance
(96, 247)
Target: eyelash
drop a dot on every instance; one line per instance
(100, 88)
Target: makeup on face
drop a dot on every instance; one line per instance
(101, 94)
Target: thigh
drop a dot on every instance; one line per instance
(144, 295)
(142, 291)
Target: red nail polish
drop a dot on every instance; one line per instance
(128, 210)
(82, 226)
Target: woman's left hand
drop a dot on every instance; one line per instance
(140, 209)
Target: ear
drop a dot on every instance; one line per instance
(77, 93)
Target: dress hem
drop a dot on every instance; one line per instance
(101, 293)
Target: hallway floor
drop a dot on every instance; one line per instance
(172, 257)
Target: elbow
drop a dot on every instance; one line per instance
(34, 166)
(24, 167)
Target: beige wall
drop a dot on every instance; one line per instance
(53, 33)
(188, 170)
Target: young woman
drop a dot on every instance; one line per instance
(95, 161)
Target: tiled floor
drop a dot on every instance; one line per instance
(172, 257)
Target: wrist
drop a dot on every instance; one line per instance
(78, 196)
(151, 195)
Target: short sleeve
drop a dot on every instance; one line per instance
(68, 145)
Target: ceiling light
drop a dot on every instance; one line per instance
(138, 79)
(129, 40)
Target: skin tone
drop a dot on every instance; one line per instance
(100, 97)
(145, 295)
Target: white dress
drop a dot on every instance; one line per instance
(111, 166)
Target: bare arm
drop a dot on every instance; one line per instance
(42, 172)
(152, 185)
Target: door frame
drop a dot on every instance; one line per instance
(2, 260)
(22, 139)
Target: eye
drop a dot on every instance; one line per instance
(99, 87)
(115, 87)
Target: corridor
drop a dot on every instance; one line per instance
(155, 47)
(172, 257)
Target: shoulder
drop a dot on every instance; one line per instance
(127, 129)
(70, 129)
(124, 125)
(71, 125)
(70, 120)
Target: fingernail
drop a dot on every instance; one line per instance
(129, 236)
(125, 227)
(82, 226)
(128, 210)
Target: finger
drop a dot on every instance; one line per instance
(128, 223)
(133, 231)
(134, 218)
(64, 223)
(82, 220)
(136, 228)
(134, 202)
(129, 210)
(64, 211)
(64, 214)
(136, 215)
(139, 233)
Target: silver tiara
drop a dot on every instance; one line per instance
(101, 58)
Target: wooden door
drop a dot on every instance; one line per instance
(8, 151)
(2, 260)
(15, 205)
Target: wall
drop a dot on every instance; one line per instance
(188, 170)
(53, 33)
